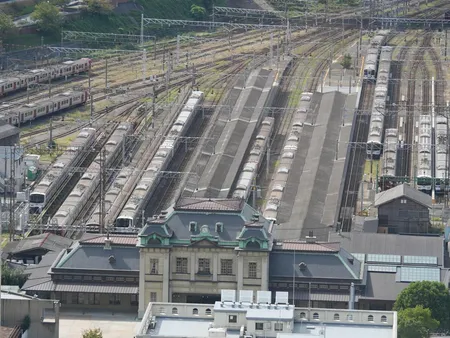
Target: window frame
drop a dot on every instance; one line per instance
(232, 319)
(278, 327)
(181, 265)
(204, 266)
(226, 267)
(252, 270)
(154, 262)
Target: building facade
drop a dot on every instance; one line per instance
(97, 273)
(403, 210)
(200, 247)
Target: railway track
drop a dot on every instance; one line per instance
(357, 157)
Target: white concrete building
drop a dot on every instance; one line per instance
(261, 319)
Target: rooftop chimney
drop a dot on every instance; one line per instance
(351, 303)
(107, 244)
(311, 238)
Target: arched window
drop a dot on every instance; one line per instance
(208, 312)
(336, 316)
(174, 311)
(383, 319)
(315, 316)
(350, 318)
(370, 318)
(195, 311)
(302, 315)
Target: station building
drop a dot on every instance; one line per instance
(202, 246)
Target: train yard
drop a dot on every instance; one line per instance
(257, 115)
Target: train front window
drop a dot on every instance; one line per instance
(37, 198)
(123, 222)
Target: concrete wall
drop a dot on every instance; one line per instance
(409, 217)
(168, 282)
(15, 310)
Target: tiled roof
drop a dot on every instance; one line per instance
(46, 241)
(215, 204)
(312, 247)
(400, 191)
(318, 265)
(38, 274)
(118, 240)
(90, 257)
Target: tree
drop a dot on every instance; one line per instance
(93, 333)
(416, 322)
(346, 62)
(47, 17)
(12, 276)
(99, 6)
(6, 24)
(198, 12)
(432, 295)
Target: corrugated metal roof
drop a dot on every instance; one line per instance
(304, 246)
(8, 130)
(118, 240)
(209, 204)
(97, 288)
(400, 191)
(46, 285)
(391, 244)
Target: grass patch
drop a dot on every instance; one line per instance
(375, 168)
(67, 140)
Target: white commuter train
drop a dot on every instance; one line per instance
(254, 160)
(54, 179)
(441, 159)
(379, 111)
(82, 192)
(373, 53)
(32, 111)
(24, 79)
(424, 170)
(151, 177)
(389, 160)
(287, 158)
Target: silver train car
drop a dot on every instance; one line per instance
(376, 128)
(373, 53)
(111, 196)
(50, 184)
(287, 159)
(150, 179)
(32, 111)
(23, 80)
(389, 160)
(254, 160)
(424, 170)
(82, 192)
(441, 159)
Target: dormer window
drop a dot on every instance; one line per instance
(192, 226)
(219, 227)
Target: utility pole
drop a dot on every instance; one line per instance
(178, 50)
(50, 141)
(144, 65)
(106, 74)
(12, 192)
(50, 85)
(142, 30)
(91, 103)
(102, 190)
